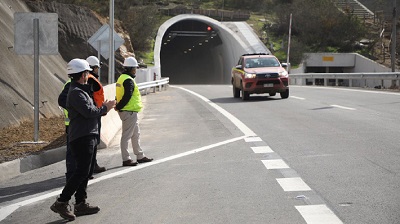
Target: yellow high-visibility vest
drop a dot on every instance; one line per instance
(66, 119)
(135, 102)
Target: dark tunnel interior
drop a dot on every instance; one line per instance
(190, 54)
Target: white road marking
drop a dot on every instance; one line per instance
(246, 131)
(342, 107)
(253, 139)
(262, 149)
(293, 184)
(299, 98)
(273, 164)
(7, 210)
(317, 214)
(344, 89)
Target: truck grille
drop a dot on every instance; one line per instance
(268, 75)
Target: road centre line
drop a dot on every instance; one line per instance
(262, 149)
(7, 210)
(253, 139)
(296, 97)
(342, 107)
(273, 164)
(293, 184)
(317, 214)
(313, 214)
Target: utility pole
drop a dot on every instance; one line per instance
(290, 35)
(394, 37)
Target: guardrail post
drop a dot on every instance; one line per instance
(326, 81)
(154, 89)
(350, 82)
(336, 82)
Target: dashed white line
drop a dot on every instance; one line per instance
(262, 149)
(293, 184)
(253, 139)
(342, 107)
(296, 97)
(317, 214)
(275, 164)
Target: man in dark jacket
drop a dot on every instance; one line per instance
(82, 134)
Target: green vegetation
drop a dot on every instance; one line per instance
(317, 25)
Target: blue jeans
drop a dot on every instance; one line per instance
(83, 152)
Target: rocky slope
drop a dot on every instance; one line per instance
(76, 25)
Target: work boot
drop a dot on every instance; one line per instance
(84, 208)
(99, 169)
(63, 209)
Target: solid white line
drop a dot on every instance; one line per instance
(7, 210)
(299, 98)
(246, 131)
(351, 90)
(293, 184)
(253, 139)
(262, 149)
(317, 214)
(342, 107)
(273, 164)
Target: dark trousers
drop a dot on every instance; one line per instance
(83, 152)
(70, 160)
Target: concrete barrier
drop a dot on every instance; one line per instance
(110, 123)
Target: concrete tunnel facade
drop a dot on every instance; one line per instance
(195, 49)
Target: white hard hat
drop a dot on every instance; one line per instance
(93, 61)
(77, 65)
(130, 62)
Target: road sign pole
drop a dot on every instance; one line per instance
(36, 78)
(98, 57)
(111, 58)
(393, 42)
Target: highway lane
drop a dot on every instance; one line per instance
(344, 143)
(206, 170)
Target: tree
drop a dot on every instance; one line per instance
(319, 25)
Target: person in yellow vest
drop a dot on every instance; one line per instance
(98, 97)
(129, 104)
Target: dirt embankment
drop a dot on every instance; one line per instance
(76, 25)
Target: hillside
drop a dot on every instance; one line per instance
(76, 25)
(16, 78)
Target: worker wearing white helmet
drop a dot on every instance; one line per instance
(129, 104)
(82, 133)
(98, 97)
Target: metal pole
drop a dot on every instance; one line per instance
(394, 36)
(36, 78)
(290, 34)
(98, 57)
(111, 69)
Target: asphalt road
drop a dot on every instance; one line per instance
(324, 155)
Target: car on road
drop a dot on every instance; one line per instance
(259, 73)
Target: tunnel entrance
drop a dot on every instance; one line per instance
(191, 53)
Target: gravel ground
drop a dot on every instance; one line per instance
(51, 132)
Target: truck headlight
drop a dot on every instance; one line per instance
(249, 75)
(283, 74)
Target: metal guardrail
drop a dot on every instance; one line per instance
(302, 78)
(154, 84)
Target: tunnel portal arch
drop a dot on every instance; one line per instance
(196, 49)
